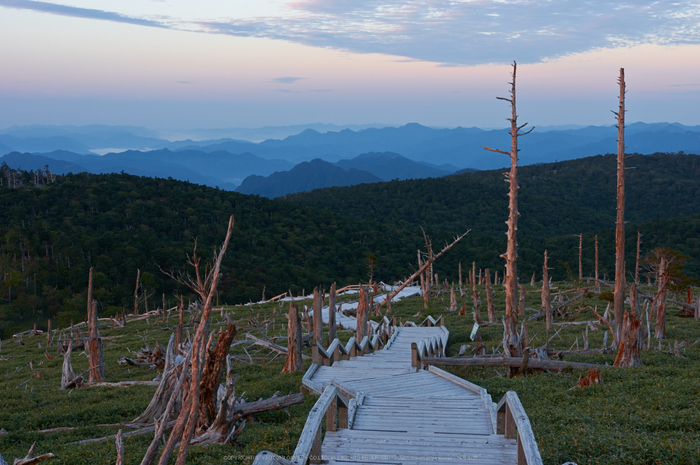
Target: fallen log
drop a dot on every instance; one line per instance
(122, 384)
(30, 459)
(514, 362)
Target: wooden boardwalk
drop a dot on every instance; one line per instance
(380, 408)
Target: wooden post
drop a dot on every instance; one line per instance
(136, 292)
(546, 304)
(332, 326)
(580, 257)
(293, 361)
(361, 317)
(511, 340)
(619, 294)
(489, 298)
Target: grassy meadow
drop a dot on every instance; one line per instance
(637, 416)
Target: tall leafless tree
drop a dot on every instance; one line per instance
(511, 340)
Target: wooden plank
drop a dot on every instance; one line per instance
(313, 426)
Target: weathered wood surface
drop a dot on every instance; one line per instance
(379, 409)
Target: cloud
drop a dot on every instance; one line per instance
(76, 12)
(472, 32)
(451, 32)
(287, 80)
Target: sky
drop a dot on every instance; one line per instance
(168, 64)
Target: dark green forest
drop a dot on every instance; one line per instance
(55, 228)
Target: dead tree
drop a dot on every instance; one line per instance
(97, 363)
(461, 291)
(318, 326)
(361, 317)
(636, 266)
(332, 326)
(188, 418)
(597, 283)
(475, 297)
(68, 378)
(661, 296)
(619, 295)
(632, 337)
(136, 292)
(453, 299)
(580, 257)
(424, 266)
(489, 298)
(546, 304)
(30, 459)
(511, 341)
(179, 328)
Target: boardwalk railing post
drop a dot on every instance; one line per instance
(314, 353)
(315, 455)
(415, 358)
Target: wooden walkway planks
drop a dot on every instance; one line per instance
(397, 415)
(410, 417)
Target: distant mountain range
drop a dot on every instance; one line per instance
(363, 169)
(410, 151)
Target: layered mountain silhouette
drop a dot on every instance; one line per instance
(306, 176)
(410, 151)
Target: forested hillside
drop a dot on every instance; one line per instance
(55, 228)
(561, 198)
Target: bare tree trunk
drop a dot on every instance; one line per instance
(424, 283)
(136, 292)
(318, 326)
(332, 326)
(293, 361)
(477, 303)
(661, 298)
(96, 360)
(489, 298)
(580, 257)
(636, 266)
(361, 317)
(632, 336)
(453, 299)
(461, 291)
(211, 374)
(597, 283)
(178, 329)
(188, 418)
(619, 295)
(511, 341)
(423, 267)
(546, 304)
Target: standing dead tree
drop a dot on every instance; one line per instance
(619, 295)
(631, 337)
(546, 304)
(423, 267)
(511, 341)
(318, 325)
(489, 298)
(97, 363)
(293, 362)
(361, 317)
(332, 326)
(188, 419)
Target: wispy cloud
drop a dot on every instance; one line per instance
(452, 32)
(76, 12)
(287, 80)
